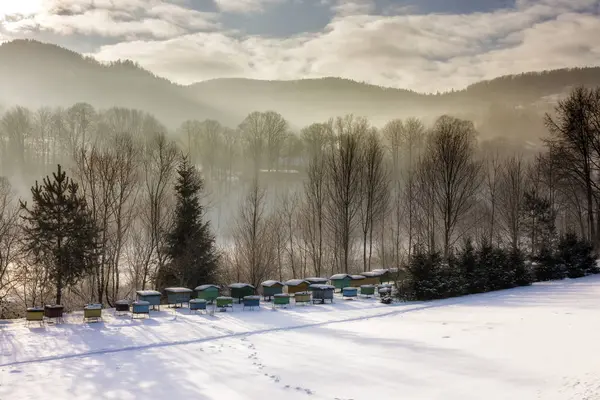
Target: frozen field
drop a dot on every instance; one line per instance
(540, 342)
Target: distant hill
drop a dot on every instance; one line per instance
(35, 74)
(38, 74)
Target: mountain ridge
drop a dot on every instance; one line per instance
(35, 74)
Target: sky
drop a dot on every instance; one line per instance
(422, 45)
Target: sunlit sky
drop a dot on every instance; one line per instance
(424, 45)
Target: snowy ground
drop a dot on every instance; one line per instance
(541, 342)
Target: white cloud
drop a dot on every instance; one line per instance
(244, 6)
(422, 52)
(122, 18)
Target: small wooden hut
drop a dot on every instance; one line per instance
(151, 296)
(296, 285)
(340, 281)
(207, 292)
(178, 295)
(271, 288)
(240, 290)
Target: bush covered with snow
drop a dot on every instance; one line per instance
(488, 268)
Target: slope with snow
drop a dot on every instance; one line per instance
(539, 342)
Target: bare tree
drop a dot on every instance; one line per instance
(455, 175)
(9, 240)
(345, 168)
(574, 133)
(254, 244)
(264, 133)
(511, 189)
(160, 161)
(375, 192)
(314, 211)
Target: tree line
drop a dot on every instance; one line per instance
(349, 197)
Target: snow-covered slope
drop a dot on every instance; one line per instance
(539, 342)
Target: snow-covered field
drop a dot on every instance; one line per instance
(541, 342)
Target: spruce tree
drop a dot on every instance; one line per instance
(193, 257)
(59, 232)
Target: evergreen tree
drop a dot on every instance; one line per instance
(522, 274)
(59, 232)
(193, 257)
(548, 266)
(576, 256)
(467, 261)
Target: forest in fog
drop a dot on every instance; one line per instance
(426, 196)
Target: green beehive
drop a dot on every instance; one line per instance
(271, 288)
(241, 290)
(207, 292)
(340, 281)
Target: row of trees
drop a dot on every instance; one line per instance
(366, 197)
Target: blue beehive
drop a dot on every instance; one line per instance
(197, 304)
(140, 307)
(151, 296)
(178, 295)
(251, 301)
(350, 292)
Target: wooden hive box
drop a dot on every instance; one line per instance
(121, 306)
(92, 311)
(367, 290)
(356, 280)
(271, 288)
(302, 297)
(371, 278)
(316, 281)
(340, 281)
(296, 285)
(197, 304)
(240, 290)
(207, 292)
(321, 293)
(251, 302)
(383, 275)
(151, 296)
(140, 307)
(281, 299)
(34, 314)
(224, 302)
(350, 292)
(54, 311)
(178, 295)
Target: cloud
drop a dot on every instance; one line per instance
(427, 52)
(123, 18)
(351, 7)
(244, 6)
